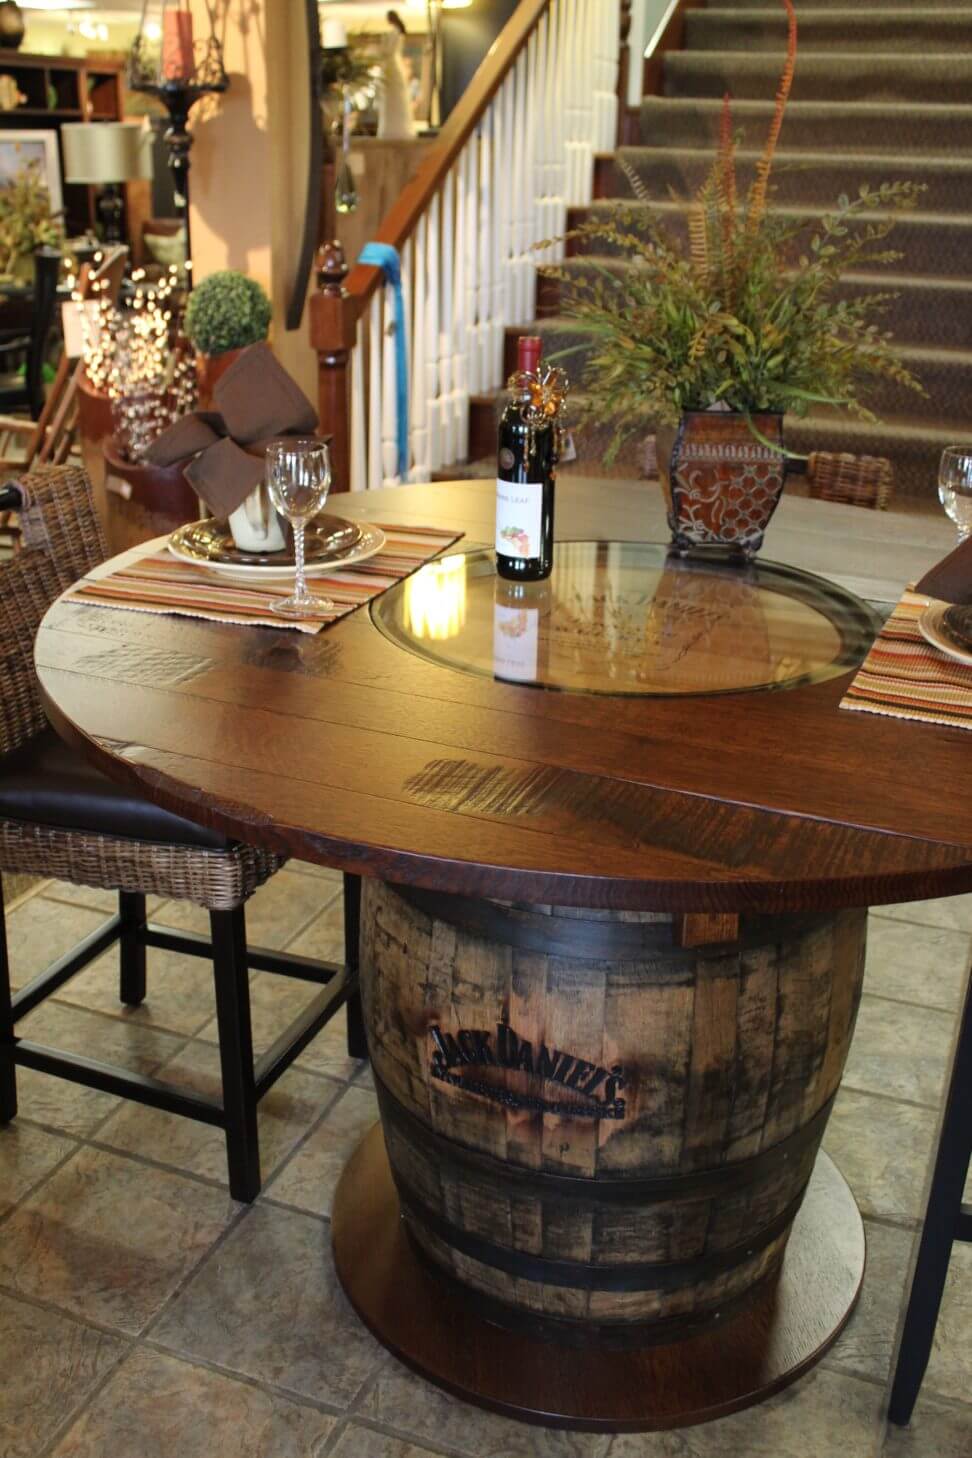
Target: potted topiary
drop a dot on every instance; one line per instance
(225, 313)
(709, 340)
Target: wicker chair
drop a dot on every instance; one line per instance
(855, 480)
(59, 817)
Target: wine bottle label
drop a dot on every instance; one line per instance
(519, 513)
(516, 632)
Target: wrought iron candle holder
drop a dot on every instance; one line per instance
(168, 63)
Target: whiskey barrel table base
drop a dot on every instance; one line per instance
(430, 1325)
(601, 1128)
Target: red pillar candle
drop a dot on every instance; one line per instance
(177, 58)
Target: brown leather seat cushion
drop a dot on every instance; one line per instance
(47, 783)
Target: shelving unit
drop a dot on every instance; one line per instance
(64, 89)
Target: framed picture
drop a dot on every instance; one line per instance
(20, 148)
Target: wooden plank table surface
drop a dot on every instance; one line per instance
(346, 750)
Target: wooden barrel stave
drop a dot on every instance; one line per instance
(727, 1052)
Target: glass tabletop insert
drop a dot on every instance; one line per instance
(628, 618)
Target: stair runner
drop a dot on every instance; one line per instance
(881, 92)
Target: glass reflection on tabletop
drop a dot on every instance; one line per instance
(628, 618)
(434, 604)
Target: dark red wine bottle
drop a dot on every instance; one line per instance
(525, 481)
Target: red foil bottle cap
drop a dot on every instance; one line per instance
(528, 350)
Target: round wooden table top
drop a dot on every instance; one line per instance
(353, 749)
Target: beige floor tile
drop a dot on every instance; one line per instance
(947, 911)
(936, 1430)
(155, 1406)
(40, 931)
(93, 897)
(27, 1155)
(68, 1106)
(865, 1347)
(901, 1051)
(109, 1238)
(50, 1364)
(269, 1306)
(825, 1415)
(883, 1150)
(949, 1372)
(325, 936)
(274, 1003)
(280, 909)
(310, 1178)
(923, 964)
(423, 1413)
(179, 991)
(285, 1115)
(357, 1441)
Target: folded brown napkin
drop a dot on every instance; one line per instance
(224, 449)
(186, 437)
(950, 580)
(258, 399)
(224, 475)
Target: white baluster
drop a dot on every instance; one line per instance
(417, 383)
(432, 285)
(389, 405)
(359, 450)
(446, 309)
(486, 262)
(460, 327)
(375, 351)
(470, 162)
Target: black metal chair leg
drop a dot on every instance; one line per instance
(236, 1052)
(131, 909)
(8, 1071)
(357, 1041)
(944, 1223)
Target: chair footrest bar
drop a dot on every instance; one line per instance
(293, 1040)
(259, 959)
(66, 967)
(92, 1074)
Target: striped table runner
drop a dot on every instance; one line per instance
(905, 677)
(161, 583)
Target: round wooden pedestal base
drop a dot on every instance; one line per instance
(429, 1326)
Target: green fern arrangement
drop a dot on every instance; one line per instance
(747, 315)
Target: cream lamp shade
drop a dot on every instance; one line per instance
(106, 152)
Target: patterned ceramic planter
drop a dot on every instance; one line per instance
(721, 484)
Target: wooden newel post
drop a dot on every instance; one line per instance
(332, 325)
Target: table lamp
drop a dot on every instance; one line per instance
(106, 154)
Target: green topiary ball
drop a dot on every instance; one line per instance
(227, 311)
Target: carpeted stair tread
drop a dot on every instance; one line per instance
(822, 75)
(932, 244)
(885, 29)
(814, 178)
(868, 126)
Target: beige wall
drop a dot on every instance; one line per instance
(249, 159)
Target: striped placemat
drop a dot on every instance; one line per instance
(905, 677)
(161, 583)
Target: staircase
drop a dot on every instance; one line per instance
(881, 92)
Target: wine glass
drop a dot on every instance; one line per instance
(298, 479)
(955, 487)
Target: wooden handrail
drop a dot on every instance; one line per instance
(399, 224)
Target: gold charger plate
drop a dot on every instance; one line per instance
(209, 543)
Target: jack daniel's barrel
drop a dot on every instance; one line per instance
(590, 1125)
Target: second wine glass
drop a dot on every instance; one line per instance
(955, 487)
(298, 479)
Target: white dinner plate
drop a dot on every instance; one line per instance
(370, 543)
(930, 627)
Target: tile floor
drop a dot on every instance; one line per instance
(144, 1314)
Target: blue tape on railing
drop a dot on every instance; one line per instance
(385, 257)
